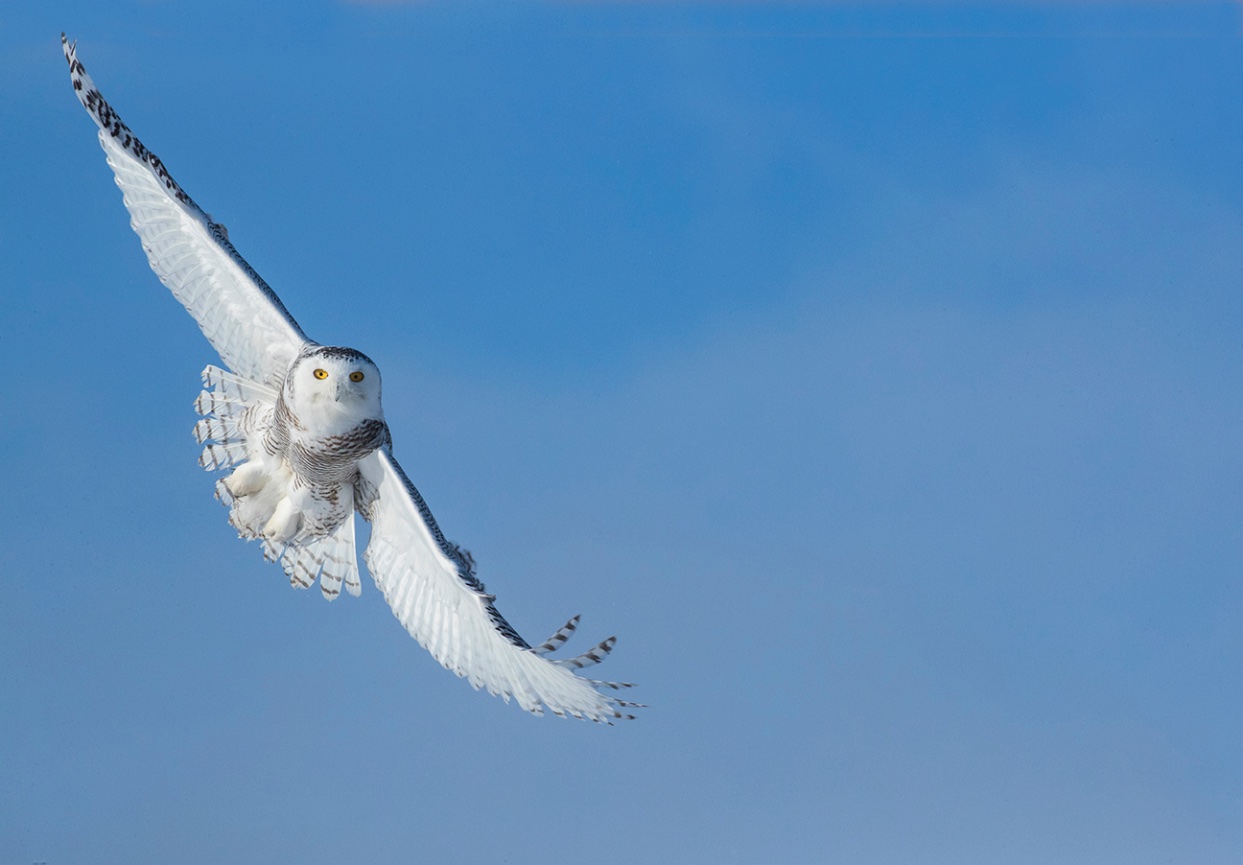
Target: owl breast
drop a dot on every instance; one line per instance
(323, 464)
(333, 459)
(321, 453)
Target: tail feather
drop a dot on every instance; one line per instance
(272, 552)
(214, 404)
(592, 656)
(558, 639)
(331, 559)
(236, 388)
(224, 430)
(236, 412)
(228, 395)
(339, 562)
(301, 565)
(222, 456)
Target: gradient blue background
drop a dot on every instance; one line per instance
(873, 371)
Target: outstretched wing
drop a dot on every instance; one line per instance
(239, 314)
(433, 590)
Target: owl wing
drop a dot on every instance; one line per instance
(239, 314)
(432, 588)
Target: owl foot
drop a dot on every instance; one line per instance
(246, 479)
(284, 522)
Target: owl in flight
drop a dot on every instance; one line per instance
(301, 427)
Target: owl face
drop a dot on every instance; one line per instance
(329, 381)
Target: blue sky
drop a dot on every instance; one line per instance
(871, 370)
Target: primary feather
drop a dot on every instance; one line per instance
(302, 428)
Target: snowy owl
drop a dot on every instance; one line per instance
(301, 427)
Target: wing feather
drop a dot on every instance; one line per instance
(433, 591)
(239, 314)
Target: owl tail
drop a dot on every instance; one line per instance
(235, 414)
(331, 558)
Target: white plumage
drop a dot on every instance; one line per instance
(302, 428)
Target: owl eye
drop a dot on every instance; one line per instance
(356, 376)
(321, 374)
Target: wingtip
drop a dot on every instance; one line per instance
(77, 72)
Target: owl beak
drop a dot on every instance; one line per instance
(341, 389)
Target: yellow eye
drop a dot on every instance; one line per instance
(321, 374)
(356, 376)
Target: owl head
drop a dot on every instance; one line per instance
(334, 382)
